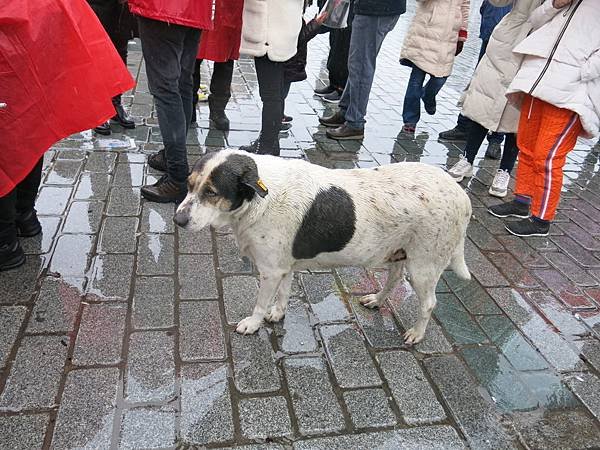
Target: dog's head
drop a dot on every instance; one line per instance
(220, 184)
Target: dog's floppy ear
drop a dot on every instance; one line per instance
(251, 179)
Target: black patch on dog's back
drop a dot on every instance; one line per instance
(327, 226)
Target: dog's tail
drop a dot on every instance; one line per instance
(457, 263)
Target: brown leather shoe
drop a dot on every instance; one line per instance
(334, 121)
(345, 133)
(158, 161)
(164, 190)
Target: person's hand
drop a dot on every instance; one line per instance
(558, 4)
(322, 17)
(459, 47)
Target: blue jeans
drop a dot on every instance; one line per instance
(368, 33)
(415, 91)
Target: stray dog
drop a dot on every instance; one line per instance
(291, 215)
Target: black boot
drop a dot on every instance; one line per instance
(28, 224)
(11, 253)
(121, 116)
(217, 116)
(103, 129)
(261, 147)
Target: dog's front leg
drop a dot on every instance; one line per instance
(269, 286)
(283, 295)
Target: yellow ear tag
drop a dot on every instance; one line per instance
(261, 185)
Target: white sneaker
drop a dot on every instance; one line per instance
(499, 187)
(461, 169)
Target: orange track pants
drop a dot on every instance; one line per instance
(546, 135)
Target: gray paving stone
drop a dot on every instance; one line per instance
(415, 398)
(456, 321)
(369, 408)
(197, 279)
(148, 428)
(102, 162)
(323, 295)
(150, 367)
(239, 297)
(262, 418)
(123, 201)
(481, 268)
(378, 325)
(35, 374)
(254, 366)
(422, 438)
(478, 420)
(52, 200)
(206, 415)
(156, 255)
(229, 256)
(84, 217)
(349, 358)
(100, 335)
(11, 319)
(200, 331)
(42, 243)
(72, 255)
(63, 172)
(472, 295)
(195, 241)
(158, 217)
(85, 415)
(56, 305)
(93, 186)
(129, 175)
(357, 281)
(154, 302)
(299, 336)
(118, 235)
(111, 277)
(19, 285)
(586, 387)
(315, 405)
(23, 432)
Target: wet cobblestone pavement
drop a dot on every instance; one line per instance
(119, 331)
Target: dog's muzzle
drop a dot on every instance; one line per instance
(182, 218)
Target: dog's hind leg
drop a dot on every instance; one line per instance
(283, 295)
(423, 279)
(269, 286)
(394, 275)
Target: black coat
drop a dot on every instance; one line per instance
(379, 7)
(295, 67)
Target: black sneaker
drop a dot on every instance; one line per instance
(287, 119)
(11, 255)
(455, 134)
(158, 161)
(28, 224)
(528, 227)
(430, 106)
(261, 148)
(333, 97)
(219, 120)
(165, 190)
(514, 208)
(494, 151)
(324, 90)
(103, 129)
(334, 121)
(344, 132)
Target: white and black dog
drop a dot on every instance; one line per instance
(291, 215)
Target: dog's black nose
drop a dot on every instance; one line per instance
(181, 218)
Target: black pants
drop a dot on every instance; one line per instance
(20, 200)
(337, 61)
(475, 136)
(220, 84)
(170, 52)
(117, 21)
(270, 86)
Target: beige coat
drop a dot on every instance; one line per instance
(430, 43)
(485, 101)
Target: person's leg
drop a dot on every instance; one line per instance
(337, 63)
(188, 60)
(430, 91)
(509, 155)
(11, 252)
(220, 93)
(270, 84)
(411, 110)
(27, 222)
(475, 137)
(368, 33)
(196, 79)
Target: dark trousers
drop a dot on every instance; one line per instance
(270, 86)
(475, 137)
(170, 52)
(115, 18)
(20, 200)
(337, 61)
(285, 90)
(220, 84)
(463, 123)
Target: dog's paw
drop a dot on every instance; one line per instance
(248, 325)
(370, 301)
(413, 336)
(275, 315)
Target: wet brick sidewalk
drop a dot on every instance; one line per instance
(119, 331)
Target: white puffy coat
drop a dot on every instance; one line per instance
(485, 101)
(271, 27)
(562, 60)
(430, 43)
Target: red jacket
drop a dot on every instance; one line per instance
(191, 13)
(223, 42)
(59, 71)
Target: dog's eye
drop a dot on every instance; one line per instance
(209, 192)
